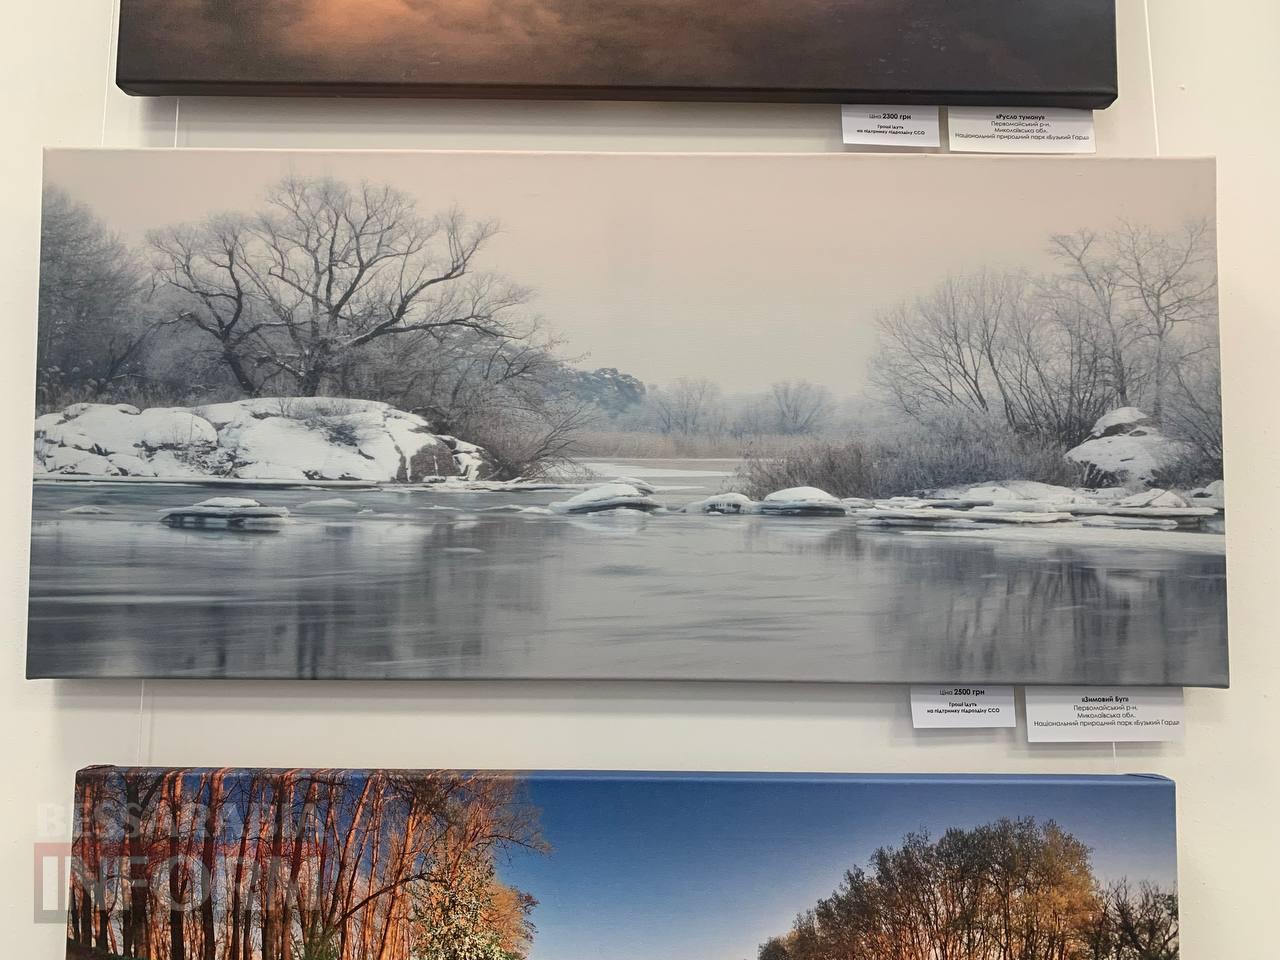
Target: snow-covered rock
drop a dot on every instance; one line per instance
(467, 457)
(1119, 421)
(1026, 491)
(264, 438)
(1210, 495)
(228, 503)
(640, 485)
(232, 513)
(607, 496)
(802, 502)
(723, 503)
(1157, 504)
(1021, 495)
(1153, 498)
(1125, 446)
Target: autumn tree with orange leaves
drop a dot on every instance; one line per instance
(297, 865)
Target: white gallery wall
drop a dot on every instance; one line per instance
(1196, 78)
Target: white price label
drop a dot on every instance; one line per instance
(962, 707)
(890, 126)
(1104, 714)
(1020, 130)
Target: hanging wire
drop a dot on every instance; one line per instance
(1151, 75)
(106, 83)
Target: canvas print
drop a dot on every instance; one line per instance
(826, 417)
(180, 864)
(997, 52)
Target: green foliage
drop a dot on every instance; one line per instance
(318, 944)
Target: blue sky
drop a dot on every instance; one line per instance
(705, 869)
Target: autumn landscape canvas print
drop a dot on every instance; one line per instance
(999, 52)
(484, 415)
(226, 864)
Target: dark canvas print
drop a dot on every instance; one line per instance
(998, 52)
(485, 415)
(227, 864)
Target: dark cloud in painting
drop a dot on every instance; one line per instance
(939, 45)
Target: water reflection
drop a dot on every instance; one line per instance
(413, 592)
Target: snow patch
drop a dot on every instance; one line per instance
(802, 502)
(1122, 417)
(607, 496)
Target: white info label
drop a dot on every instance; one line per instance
(953, 707)
(890, 126)
(1020, 130)
(1093, 714)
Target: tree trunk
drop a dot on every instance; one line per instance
(207, 866)
(177, 933)
(234, 364)
(134, 935)
(86, 868)
(233, 943)
(312, 379)
(295, 864)
(271, 933)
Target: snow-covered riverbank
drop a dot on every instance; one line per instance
(255, 447)
(266, 440)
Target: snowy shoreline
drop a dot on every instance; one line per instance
(364, 447)
(596, 502)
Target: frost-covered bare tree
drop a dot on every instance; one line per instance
(206, 267)
(945, 349)
(690, 405)
(325, 269)
(1052, 370)
(800, 407)
(1130, 319)
(1170, 280)
(93, 320)
(1091, 283)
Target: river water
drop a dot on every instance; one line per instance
(439, 584)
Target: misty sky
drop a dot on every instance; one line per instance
(707, 869)
(746, 269)
(840, 44)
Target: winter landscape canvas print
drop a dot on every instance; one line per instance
(486, 415)
(176, 863)
(997, 52)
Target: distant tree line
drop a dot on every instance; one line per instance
(696, 406)
(1009, 890)
(297, 865)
